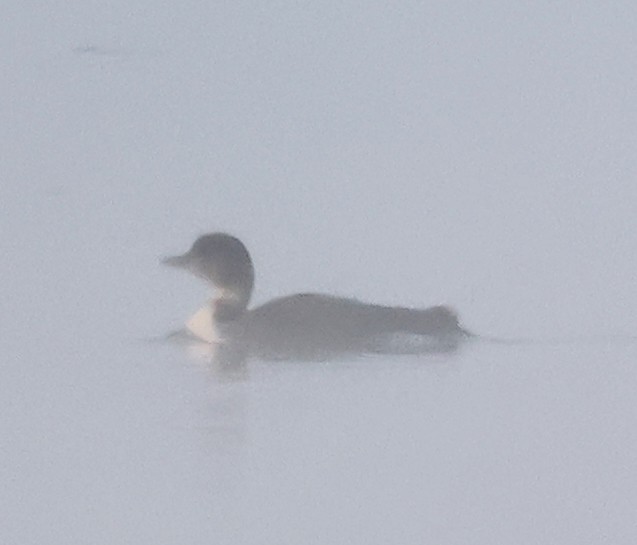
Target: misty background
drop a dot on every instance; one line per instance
(481, 155)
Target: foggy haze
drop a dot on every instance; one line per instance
(477, 155)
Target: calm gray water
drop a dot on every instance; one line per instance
(481, 156)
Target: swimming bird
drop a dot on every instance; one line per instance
(303, 326)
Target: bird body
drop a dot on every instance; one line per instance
(304, 326)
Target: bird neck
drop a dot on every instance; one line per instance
(230, 304)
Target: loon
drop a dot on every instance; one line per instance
(303, 326)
